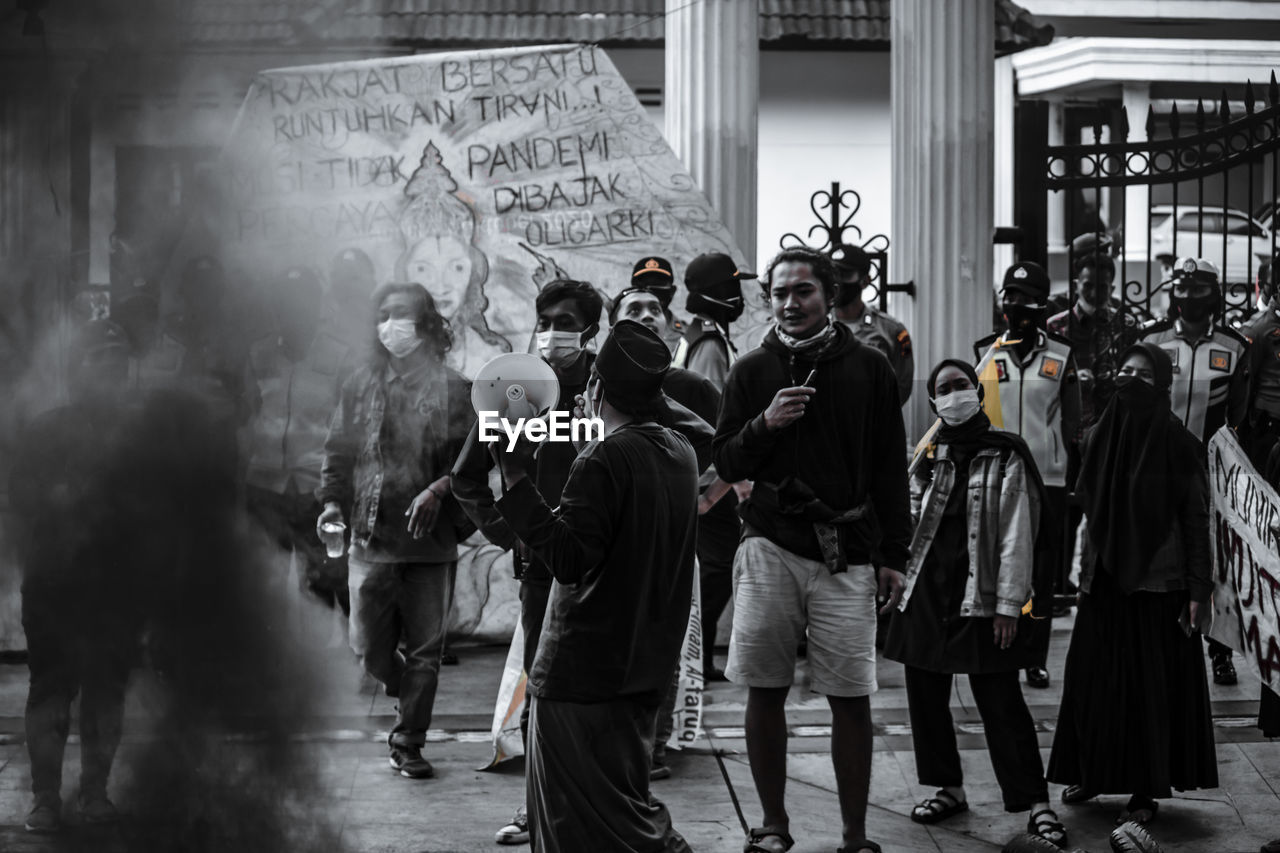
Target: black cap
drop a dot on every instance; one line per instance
(632, 362)
(847, 258)
(655, 275)
(1029, 278)
(351, 263)
(708, 270)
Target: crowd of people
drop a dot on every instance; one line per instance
(1068, 457)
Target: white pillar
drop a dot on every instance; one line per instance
(1137, 99)
(711, 103)
(1005, 100)
(942, 92)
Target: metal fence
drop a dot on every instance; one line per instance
(1211, 190)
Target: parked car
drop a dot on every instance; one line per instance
(1204, 233)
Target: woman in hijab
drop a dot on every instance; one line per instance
(1135, 715)
(976, 497)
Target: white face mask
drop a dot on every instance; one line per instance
(958, 406)
(559, 349)
(400, 337)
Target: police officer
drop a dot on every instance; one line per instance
(1260, 431)
(655, 275)
(869, 324)
(1039, 399)
(1096, 326)
(1210, 373)
(715, 300)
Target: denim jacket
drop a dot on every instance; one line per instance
(356, 469)
(1003, 514)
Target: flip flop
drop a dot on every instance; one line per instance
(1045, 824)
(758, 835)
(858, 846)
(938, 808)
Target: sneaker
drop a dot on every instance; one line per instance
(516, 832)
(1037, 676)
(45, 818)
(409, 763)
(1224, 670)
(96, 808)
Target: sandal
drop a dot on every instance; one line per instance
(1133, 811)
(1077, 794)
(756, 836)
(1045, 824)
(858, 846)
(938, 808)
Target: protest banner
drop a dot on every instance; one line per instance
(687, 713)
(1245, 516)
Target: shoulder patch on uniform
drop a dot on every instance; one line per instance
(904, 343)
(1002, 370)
(1220, 359)
(1173, 356)
(1051, 367)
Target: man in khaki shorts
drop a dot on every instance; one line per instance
(813, 417)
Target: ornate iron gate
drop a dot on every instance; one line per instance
(835, 210)
(1205, 153)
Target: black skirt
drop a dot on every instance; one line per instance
(1135, 716)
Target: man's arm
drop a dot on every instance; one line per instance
(574, 541)
(470, 477)
(887, 455)
(904, 363)
(699, 433)
(1077, 411)
(743, 442)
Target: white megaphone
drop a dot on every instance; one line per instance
(515, 385)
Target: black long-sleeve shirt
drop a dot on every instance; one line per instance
(621, 548)
(849, 447)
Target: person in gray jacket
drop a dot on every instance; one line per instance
(976, 499)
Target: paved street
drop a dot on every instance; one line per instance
(330, 784)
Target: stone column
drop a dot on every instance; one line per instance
(711, 102)
(942, 88)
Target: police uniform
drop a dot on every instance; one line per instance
(1261, 425)
(877, 329)
(1208, 373)
(1039, 399)
(701, 332)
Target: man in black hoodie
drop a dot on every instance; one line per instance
(813, 417)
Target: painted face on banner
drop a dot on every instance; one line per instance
(442, 264)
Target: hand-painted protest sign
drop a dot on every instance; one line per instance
(1246, 558)
(474, 174)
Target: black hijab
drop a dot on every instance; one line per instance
(976, 433)
(1133, 472)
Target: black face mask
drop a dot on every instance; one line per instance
(722, 308)
(1023, 318)
(848, 292)
(1134, 393)
(1196, 309)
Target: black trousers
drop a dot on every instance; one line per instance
(1010, 732)
(533, 607)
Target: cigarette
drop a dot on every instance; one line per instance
(809, 378)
